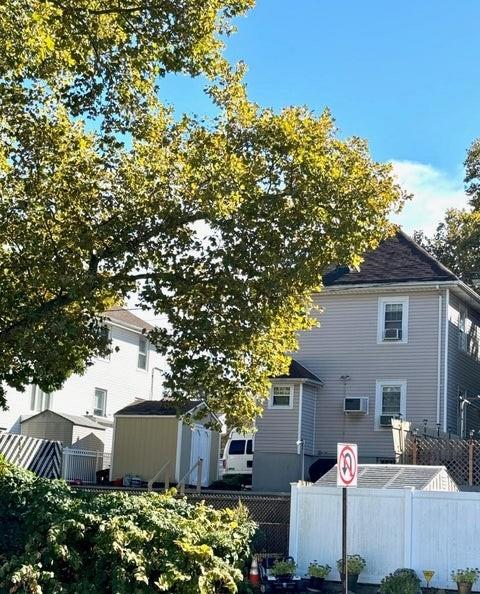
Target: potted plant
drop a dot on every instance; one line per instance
(355, 566)
(317, 574)
(401, 581)
(284, 570)
(465, 578)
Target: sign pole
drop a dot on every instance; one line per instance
(344, 540)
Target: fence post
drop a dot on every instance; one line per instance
(64, 463)
(407, 528)
(293, 531)
(470, 463)
(199, 474)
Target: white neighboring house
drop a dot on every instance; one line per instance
(129, 374)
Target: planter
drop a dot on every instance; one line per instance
(316, 583)
(464, 587)
(284, 578)
(352, 581)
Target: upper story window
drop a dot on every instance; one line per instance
(142, 353)
(106, 333)
(281, 397)
(390, 401)
(100, 402)
(40, 400)
(392, 320)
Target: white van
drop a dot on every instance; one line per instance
(238, 454)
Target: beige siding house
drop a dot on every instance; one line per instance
(153, 435)
(398, 338)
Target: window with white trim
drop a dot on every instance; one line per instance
(390, 401)
(100, 403)
(106, 334)
(40, 400)
(281, 397)
(142, 353)
(392, 320)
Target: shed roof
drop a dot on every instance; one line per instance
(75, 419)
(388, 476)
(298, 371)
(158, 408)
(397, 259)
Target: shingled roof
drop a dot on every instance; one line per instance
(398, 259)
(158, 408)
(298, 371)
(125, 317)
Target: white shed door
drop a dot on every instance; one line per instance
(201, 445)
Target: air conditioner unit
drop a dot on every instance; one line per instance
(391, 334)
(386, 420)
(356, 404)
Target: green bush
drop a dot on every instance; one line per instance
(355, 564)
(61, 541)
(401, 581)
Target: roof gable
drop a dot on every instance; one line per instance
(123, 316)
(398, 259)
(298, 371)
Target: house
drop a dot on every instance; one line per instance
(397, 338)
(155, 439)
(396, 476)
(130, 372)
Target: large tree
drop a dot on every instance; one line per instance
(224, 224)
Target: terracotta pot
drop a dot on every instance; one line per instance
(352, 581)
(464, 587)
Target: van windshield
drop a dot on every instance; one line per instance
(237, 446)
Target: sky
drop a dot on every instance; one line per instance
(403, 75)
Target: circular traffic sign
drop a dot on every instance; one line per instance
(347, 465)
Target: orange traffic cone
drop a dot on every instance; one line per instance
(253, 576)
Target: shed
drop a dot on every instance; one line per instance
(396, 476)
(71, 430)
(153, 435)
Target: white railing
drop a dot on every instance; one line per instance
(82, 465)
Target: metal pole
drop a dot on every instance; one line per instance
(344, 541)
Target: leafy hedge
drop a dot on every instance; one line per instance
(55, 540)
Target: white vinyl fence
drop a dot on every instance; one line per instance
(82, 465)
(390, 528)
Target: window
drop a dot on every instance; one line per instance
(106, 335)
(142, 353)
(281, 397)
(237, 447)
(100, 403)
(40, 400)
(249, 446)
(462, 330)
(390, 401)
(392, 320)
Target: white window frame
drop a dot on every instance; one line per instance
(37, 392)
(109, 356)
(282, 406)
(380, 384)
(147, 349)
(392, 300)
(95, 402)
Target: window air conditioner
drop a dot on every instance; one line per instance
(386, 420)
(356, 404)
(391, 334)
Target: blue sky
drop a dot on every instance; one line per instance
(403, 75)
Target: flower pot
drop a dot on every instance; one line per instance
(464, 587)
(351, 581)
(316, 583)
(284, 578)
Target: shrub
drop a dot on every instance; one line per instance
(69, 542)
(401, 581)
(283, 568)
(468, 575)
(319, 571)
(355, 564)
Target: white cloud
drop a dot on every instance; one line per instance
(433, 191)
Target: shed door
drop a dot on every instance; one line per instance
(201, 446)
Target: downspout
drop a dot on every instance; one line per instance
(439, 358)
(445, 368)
(300, 405)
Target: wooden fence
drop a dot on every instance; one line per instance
(38, 455)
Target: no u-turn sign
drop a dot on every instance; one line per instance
(347, 464)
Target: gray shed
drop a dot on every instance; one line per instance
(71, 430)
(396, 476)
